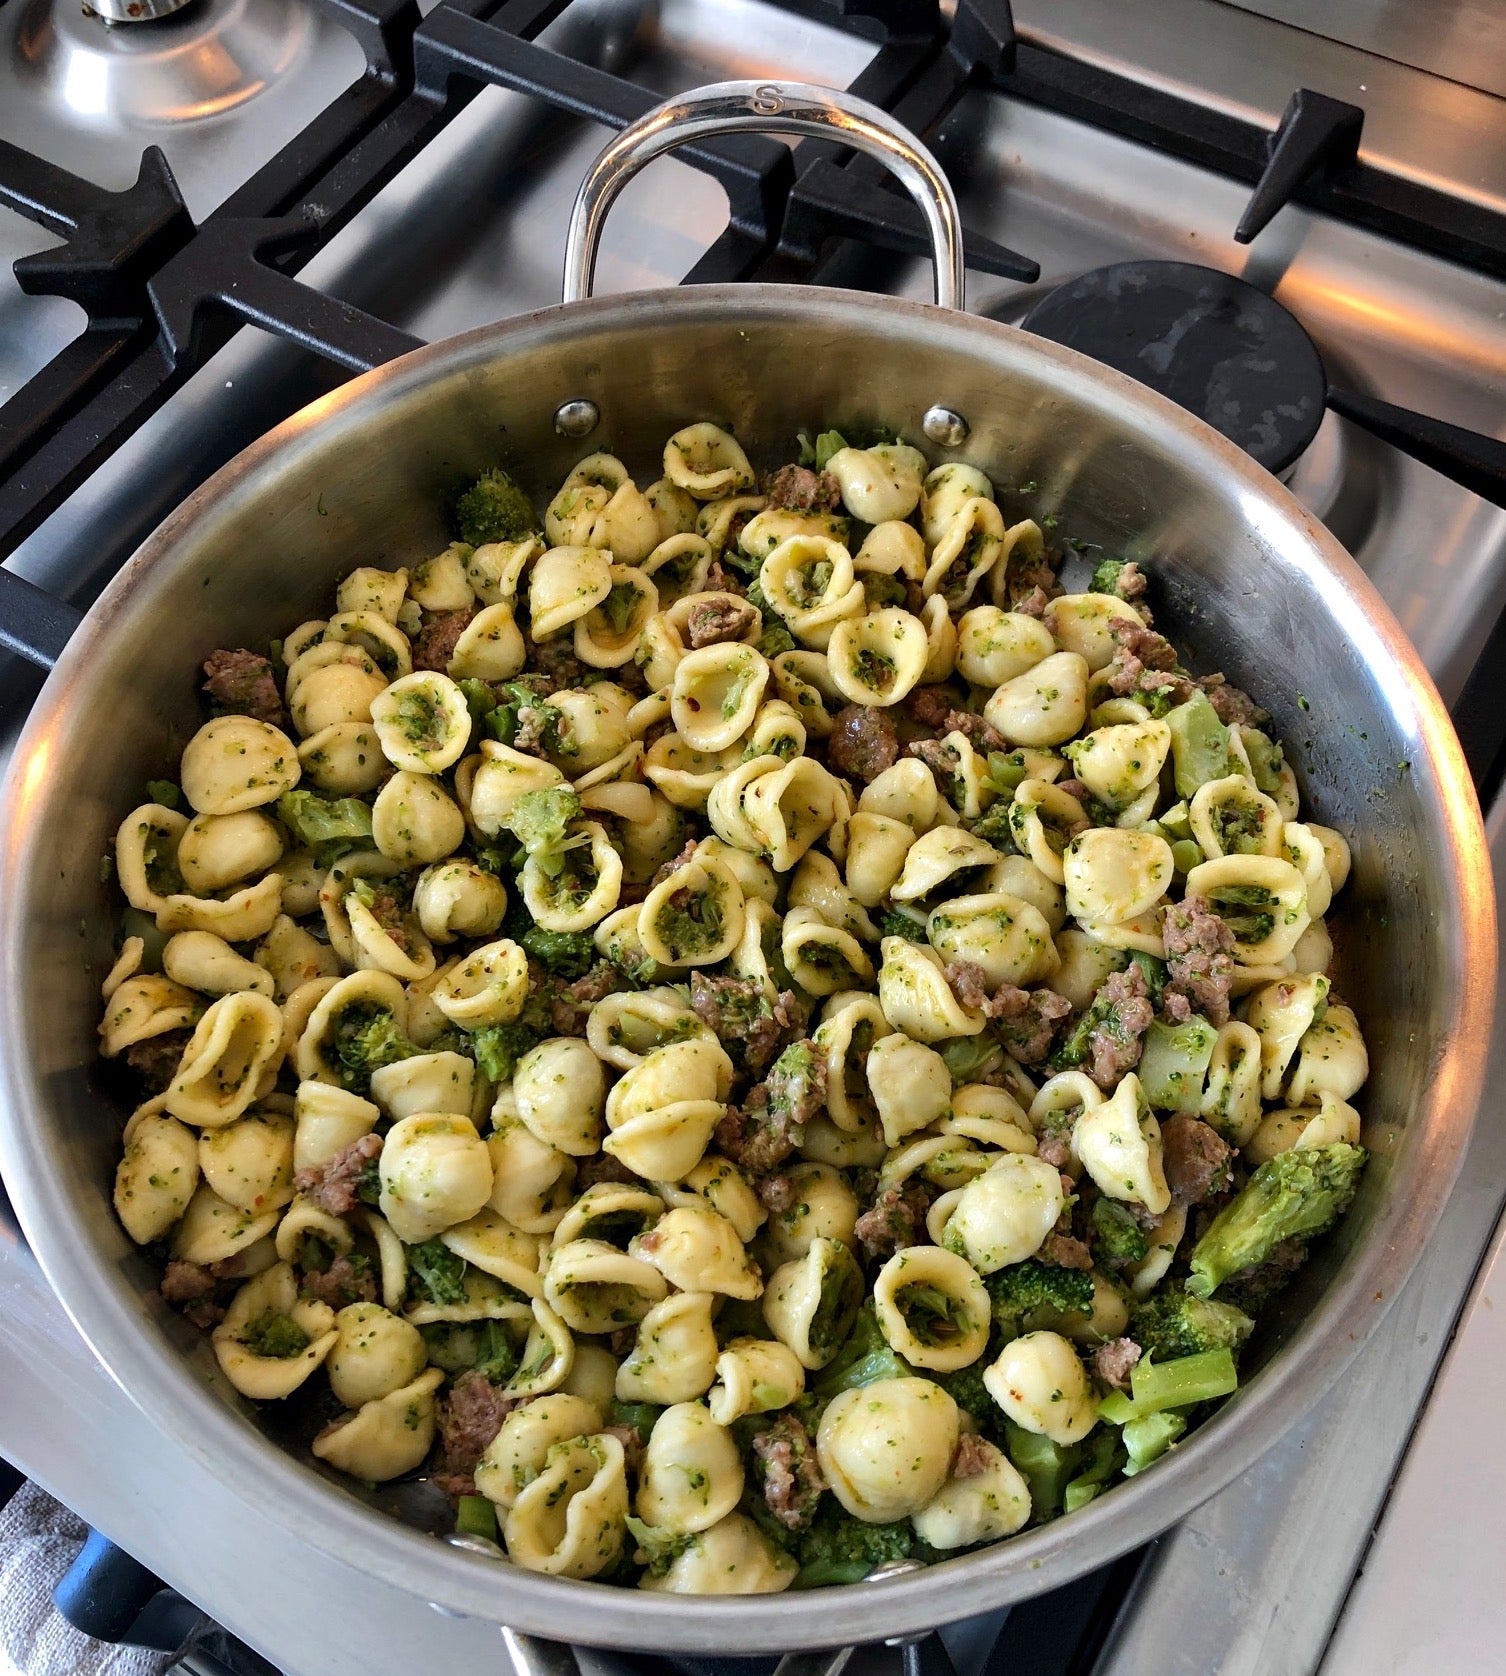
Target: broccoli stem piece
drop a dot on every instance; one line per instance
(1175, 1061)
(1045, 1466)
(1105, 1458)
(864, 1357)
(1148, 1439)
(1199, 744)
(1295, 1195)
(1158, 1386)
(475, 1516)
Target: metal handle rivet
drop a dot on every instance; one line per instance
(577, 418)
(945, 426)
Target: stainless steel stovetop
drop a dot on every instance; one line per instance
(473, 229)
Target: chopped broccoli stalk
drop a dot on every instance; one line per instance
(475, 1516)
(540, 821)
(864, 1357)
(840, 1549)
(480, 700)
(1106, 574)
(1153, 971)
(775, 640)
(1005, 771)
(1267, 759)
(1147, 1439)
(274, 1335)
(1295, 1195)
(1172, 1324)
(435, 1273)
(967, 1057)
(642, 1416)
(567, 954)
(659, 1546)
(1199, 744)
(894, 922)
(1105, 1457)
(880, 590)
(1116, 1236)
(366, 1038)
(494, 508)
(165, 793)
(1157, 1386)
(819, 452)
(1186, 853)
(499, 1047)
(1045, 1466)
(316, 821)
(1019, 1290)
(1175, 1061)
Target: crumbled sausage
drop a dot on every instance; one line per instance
(1114, 1362)
(737, 1010)
(777, 1192)
(190, 1287)
(1032, 582)
(343, 1282)
(675, 863)
(791, 1474)
(974, 1456)
(633, 1445)
(897, 1218)
(1027, 1019)
(1199, 959)
(725, 580)
(469, 1416)
(1131, 583)
(1144, 663)
(1196, 1159)
(602, 1166)
(434, 645)
(799, 489)
(1062, 1251)
(928, 708)
(863, 742)
(243, 684)
(1117, 1041)
(762, 1133)
(714, 618)
(156, 1060)
(1232, 704)
(976, 729)
(570, 1004)
(332, 1186)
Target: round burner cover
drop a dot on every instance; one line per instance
(1217, 346)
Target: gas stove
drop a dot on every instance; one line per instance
(227, 206)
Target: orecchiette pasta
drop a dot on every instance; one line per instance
(727, 996)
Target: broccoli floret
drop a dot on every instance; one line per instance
(641, 1416)
(274, 1335)
(1173, 1324)
(324, 822)
(480, 700)
(1106, 574)
(1116, 1237)
(483, 1345)
(1295, 1195)
(776, 637)
(435, 1273)
(992, 826)
(165, 793)
(1021, 1289)
(494, 508)
(864, 1357)
(894, 922)
(966, 1388)
(791, 1076)
(658, 1546)
(499, 1047)
(540, 821)
(840, 1549)
(366, 1037)
(567, 954)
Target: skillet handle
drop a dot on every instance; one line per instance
(732, 107)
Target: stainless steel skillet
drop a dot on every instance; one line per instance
(1245, 579)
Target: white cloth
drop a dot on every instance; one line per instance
(39, 1540)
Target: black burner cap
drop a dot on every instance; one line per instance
(1217, 346)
